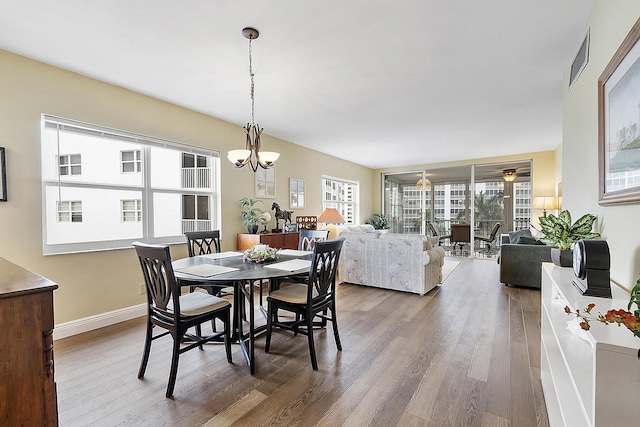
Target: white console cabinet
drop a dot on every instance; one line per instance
(589, 378)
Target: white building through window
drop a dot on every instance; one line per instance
(131, 188)
(132, 210)
(70, 164)
(195, 171)
(69, 211)
(131, 161)
(343, 195)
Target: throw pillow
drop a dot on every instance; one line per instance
(524, 240)
(514, 236)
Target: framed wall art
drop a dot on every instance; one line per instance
(619, 124)
(296, 193)
(3, 176)
(266, 183)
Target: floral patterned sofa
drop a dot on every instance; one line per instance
(403, 262)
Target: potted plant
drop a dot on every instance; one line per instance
(560, 232)
(378, 221)
(251, 215)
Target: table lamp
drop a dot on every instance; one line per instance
(544, 203)
(330, 217)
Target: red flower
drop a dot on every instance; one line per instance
(585, 325)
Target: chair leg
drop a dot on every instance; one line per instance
(199, 334)
(312, 347)
(174, 366)
(270, 317)
(227, 335)
(336, 335)
(147, 350)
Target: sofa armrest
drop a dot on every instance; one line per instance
(434, 255)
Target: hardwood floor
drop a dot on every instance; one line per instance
(466, 354)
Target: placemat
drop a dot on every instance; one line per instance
(205, 270)
(291, 265)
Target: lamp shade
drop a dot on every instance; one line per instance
(544, 202)
(238, 157)
(268, 157)
(331, 216)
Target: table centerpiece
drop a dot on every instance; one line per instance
(260, 253)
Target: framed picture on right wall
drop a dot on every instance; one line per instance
(619, 124)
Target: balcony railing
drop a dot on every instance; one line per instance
(196, 178)
(196, 225)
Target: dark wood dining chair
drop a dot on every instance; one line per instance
(204, 243)
(175, 313)
(316, 298)
(308, 238)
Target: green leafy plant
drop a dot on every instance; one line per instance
(251, 215)
(560, 232)
(378, 221)
(631, 320)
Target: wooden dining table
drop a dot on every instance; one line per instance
(243, 275)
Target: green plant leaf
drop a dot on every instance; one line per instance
(584, 224)
(565, 219)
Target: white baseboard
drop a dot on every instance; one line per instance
(90, 323)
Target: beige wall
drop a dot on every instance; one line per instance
(609, 25)
(94, 283)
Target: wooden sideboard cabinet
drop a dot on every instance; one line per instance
(275, 240)
(27, 386)
(589, 378)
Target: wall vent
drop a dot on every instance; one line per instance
(580, 61)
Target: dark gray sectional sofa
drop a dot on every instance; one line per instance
(521, 261)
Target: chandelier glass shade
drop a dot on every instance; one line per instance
(509, 175)
(251, 155)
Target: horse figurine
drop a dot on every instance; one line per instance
(284, 215)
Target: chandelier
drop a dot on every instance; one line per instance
(252, 155)
(509, 175)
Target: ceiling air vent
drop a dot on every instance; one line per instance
(580, 61)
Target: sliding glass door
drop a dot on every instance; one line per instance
(407, 202)
(482, 195)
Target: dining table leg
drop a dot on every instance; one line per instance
(243, 293)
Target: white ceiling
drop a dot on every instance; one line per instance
(381, 83)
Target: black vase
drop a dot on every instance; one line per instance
(562, 258)
(253, 229)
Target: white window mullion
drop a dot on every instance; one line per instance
(147, 194)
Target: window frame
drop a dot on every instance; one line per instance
(150, 219)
